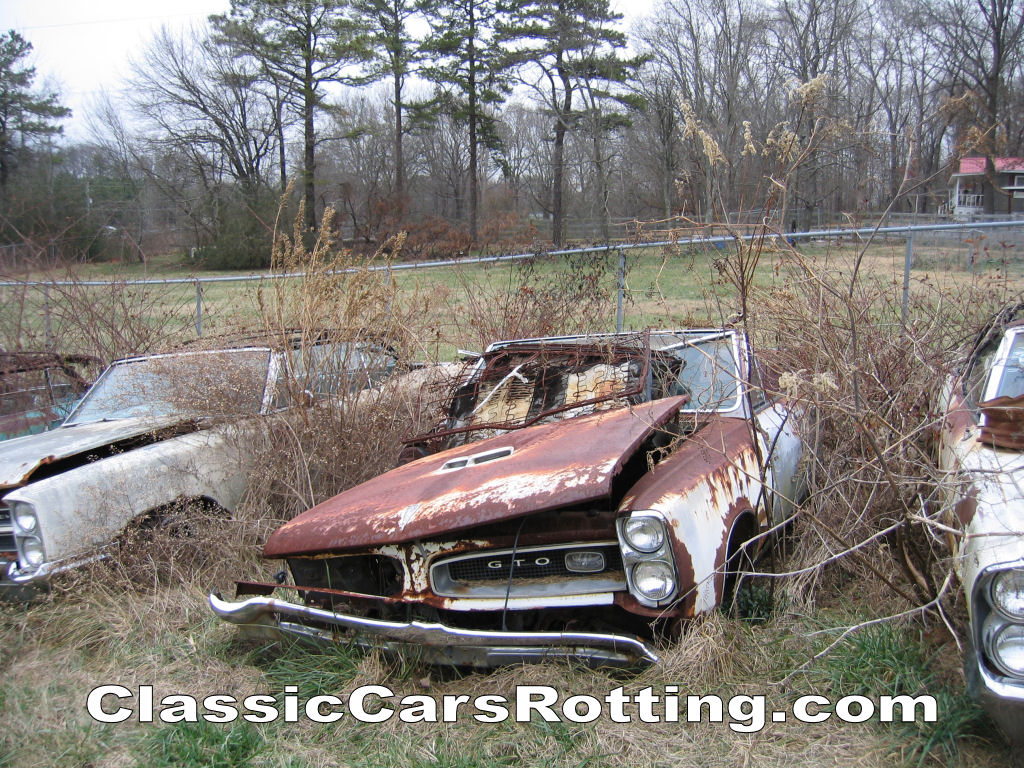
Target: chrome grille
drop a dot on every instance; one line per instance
(535, 564)
(539, 571)
(6, 531)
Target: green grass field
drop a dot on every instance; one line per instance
(663, 287)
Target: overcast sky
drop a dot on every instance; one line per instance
(85, 47)
(82, 48)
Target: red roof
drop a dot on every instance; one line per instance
(975, 166)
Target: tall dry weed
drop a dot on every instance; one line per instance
(540, 296)
(355, 431)
(867, 385)
(62, 311)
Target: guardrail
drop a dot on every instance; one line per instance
(861, 233)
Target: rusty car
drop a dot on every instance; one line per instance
(582, 496)
(154, 433)
(981, 455)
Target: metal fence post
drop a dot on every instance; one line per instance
(906, 277)
(47, 329)
(199, 308)
(621, 275)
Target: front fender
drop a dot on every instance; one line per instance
(84, 508)
(701, 490)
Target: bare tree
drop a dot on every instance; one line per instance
(653, 149)
(193, 96)
(980, 55)
(714, 55)
(553, 45)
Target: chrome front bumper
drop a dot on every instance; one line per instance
(15, 591)
(1002, 699)
(434, 643)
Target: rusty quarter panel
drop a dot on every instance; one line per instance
(552, 465)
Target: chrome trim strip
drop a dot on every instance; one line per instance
(42, 574)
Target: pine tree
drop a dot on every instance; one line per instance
(389, 50)
(304, 43)
(467, 62)
(558, 48)
(25, 116)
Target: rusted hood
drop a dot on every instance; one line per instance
(550, 465)
(21, 456)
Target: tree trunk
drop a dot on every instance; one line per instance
(666, 186)
(557, 225)
(279, 128)
(474, 191)
(399, 159)
(602, 182)
(988, 189)
(309, 160)
(558, 159)
(309, 138)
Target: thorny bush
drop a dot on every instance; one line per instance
(354, 433)
(66, 314)
(342, 415)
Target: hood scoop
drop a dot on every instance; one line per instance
(477, 458)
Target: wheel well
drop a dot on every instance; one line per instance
(738, 558)
(155, 515)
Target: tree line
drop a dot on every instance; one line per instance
(460, 120)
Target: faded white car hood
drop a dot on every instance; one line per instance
(21, 456)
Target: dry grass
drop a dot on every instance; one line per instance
(169, 640)
(142, 618)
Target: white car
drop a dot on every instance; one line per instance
(982, 453)
(153, 432)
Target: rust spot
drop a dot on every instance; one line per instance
(967, 507)
(1004, 422)
(41, 463)
(629, 603)
(737, 508)
(707, 456)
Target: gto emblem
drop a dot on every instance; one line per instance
(520, 562)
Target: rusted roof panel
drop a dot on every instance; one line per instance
(550, 465)
(1004, 422)
(975, 166)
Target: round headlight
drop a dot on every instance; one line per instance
(32, 552)
(1008, 592)
(654, 579)
(24, 516)
(1008, 649)
(644, 534)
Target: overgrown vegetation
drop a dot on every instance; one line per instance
(861, 542)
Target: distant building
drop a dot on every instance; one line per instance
(967, 188)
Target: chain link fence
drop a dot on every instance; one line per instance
(645, 283)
